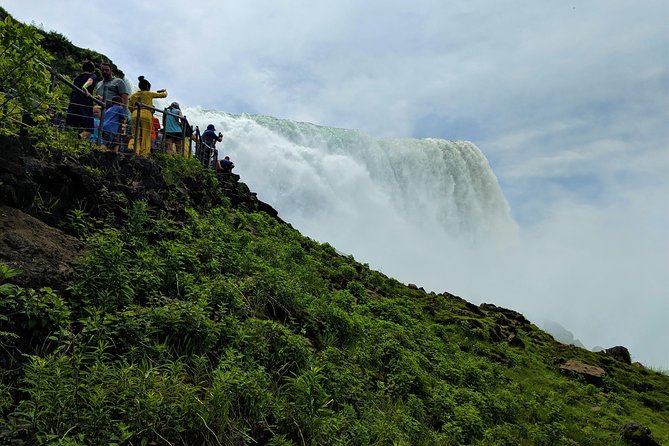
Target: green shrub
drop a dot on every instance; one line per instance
(274, 346)
(31, 320)
(103, 276)
(329, 323)
(177, 328)
(238, 399)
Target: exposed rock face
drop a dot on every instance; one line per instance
(515, 341)
(620, 353)
(508, 314)
(637, 435)
(44, 255)
(591, 373)
(103, 184)
(508, 323)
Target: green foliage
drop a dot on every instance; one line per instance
(104, 277)
(6, 272)
(230, 328)
(77, 222)
(86, 395)
(34, 316)
(273, 346)
(309, 403)
(24, 80)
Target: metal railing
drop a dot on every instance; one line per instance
(57, 76)
(182, 121)
(205, 153)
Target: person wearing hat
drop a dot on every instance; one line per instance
(174, 134)
(209, 139)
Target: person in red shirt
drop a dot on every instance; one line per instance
(155, 134)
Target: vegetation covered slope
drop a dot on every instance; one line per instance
(226, 326)
(195, 317)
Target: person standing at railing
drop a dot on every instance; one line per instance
(209, 139)
(156, 134)
(111, 86)
(173, 129)
(96, 124)
(224, 165)
(80, 110)
(113, 125)
(142, 132)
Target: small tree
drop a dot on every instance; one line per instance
(25, 93)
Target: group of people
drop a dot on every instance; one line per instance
(84, 109)
(123, 123)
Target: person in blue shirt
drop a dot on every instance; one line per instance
(112, 123)
(209, 139)
(225, 165)
(96, 124)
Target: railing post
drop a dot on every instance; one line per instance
(184, 125)
(102, 117)
(198, 143)
(163, 141)
(135, 136)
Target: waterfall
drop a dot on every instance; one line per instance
(388, 202)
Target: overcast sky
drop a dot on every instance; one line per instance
(568, 100)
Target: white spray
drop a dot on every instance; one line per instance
(370, 197)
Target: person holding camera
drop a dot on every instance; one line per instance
(145, 96)
(209, 139)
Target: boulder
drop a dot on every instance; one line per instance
(592, 374)
(45, 256)
(620, 353)
(509, 315)
(515, 341)
(637, 435)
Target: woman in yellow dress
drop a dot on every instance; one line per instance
(143, 146)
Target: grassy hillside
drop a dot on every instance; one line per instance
(195, 318)
(225, 326)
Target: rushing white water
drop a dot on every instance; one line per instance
(388, 202)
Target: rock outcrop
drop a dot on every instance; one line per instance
(592, 374)
(637, 435)
(102, 184)
(44, 255)
(620, 353)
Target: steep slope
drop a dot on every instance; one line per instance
(196, 316)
